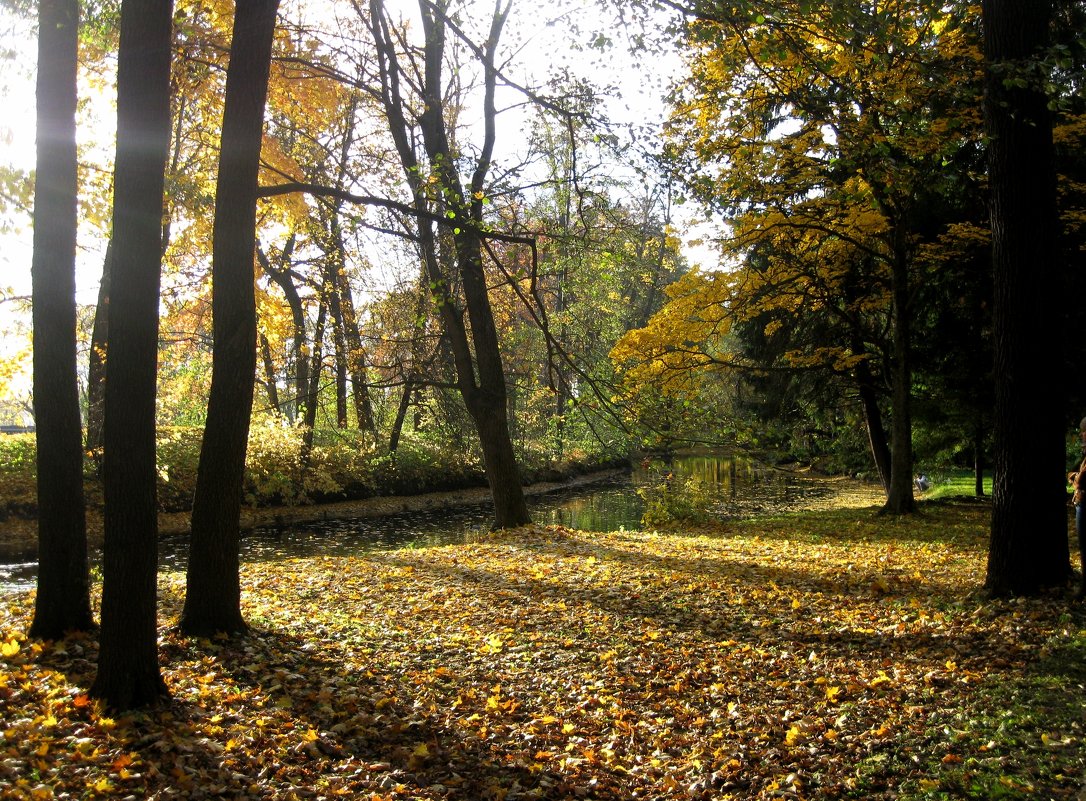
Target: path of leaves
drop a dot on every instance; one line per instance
(834, 657)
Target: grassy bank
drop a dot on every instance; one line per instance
(835, 654)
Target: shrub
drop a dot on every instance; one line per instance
(671, 499)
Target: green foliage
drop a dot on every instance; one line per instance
(18, 475)
(673, 499)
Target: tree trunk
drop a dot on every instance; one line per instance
(978, 456)
(401, 415)
(340, 350)
(876, 434)
(479, 371)
(96, 367)
(312, 390)
(899, 499)
(269, 374)
(63, 599)
(128, 670)
(213, 590)
(1028, 549)
(281, 275)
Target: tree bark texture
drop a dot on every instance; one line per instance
(63, 599)
(1028, 549)
(128, 670)
(213, 590)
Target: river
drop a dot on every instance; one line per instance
(738, 488)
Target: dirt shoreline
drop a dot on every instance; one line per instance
(22, 533)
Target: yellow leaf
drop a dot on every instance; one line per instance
(568, 728)
(793, 736)
(421, 750)
(10, 648)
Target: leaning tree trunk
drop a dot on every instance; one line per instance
(1028, 549)
(213, 587)
(63, 599)
(128, 671)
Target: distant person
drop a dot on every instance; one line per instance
(923, 483)
(1077, 480)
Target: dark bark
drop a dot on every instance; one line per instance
(128, 670)
(1028, 550)
(978, 456)
(63, 599)
(353, 353)
(269, 374)
(401, 415)
(876, 433)
(340, 350)
(356, 358)
(312, 390)
(213, 591)
(899, 499)
(96, 367)
(283, 277)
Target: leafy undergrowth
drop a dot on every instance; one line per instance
(831, 655)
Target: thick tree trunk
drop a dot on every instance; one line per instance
(63, 599)
(128, 671)
(213, 590)
(499, 460)
(1028, 549)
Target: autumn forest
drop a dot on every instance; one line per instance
(281, 254)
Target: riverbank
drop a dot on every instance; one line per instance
(21, 534)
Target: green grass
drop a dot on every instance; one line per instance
(955, 482)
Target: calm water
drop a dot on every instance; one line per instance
(740, 488)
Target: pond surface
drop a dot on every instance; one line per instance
(739, 488)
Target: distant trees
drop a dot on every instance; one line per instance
(827, 133)
(63, 599)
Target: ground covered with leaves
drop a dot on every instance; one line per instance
(829, 655)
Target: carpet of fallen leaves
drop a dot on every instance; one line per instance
(831, 655)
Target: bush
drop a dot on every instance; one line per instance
(671, 499)
(18, 475)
